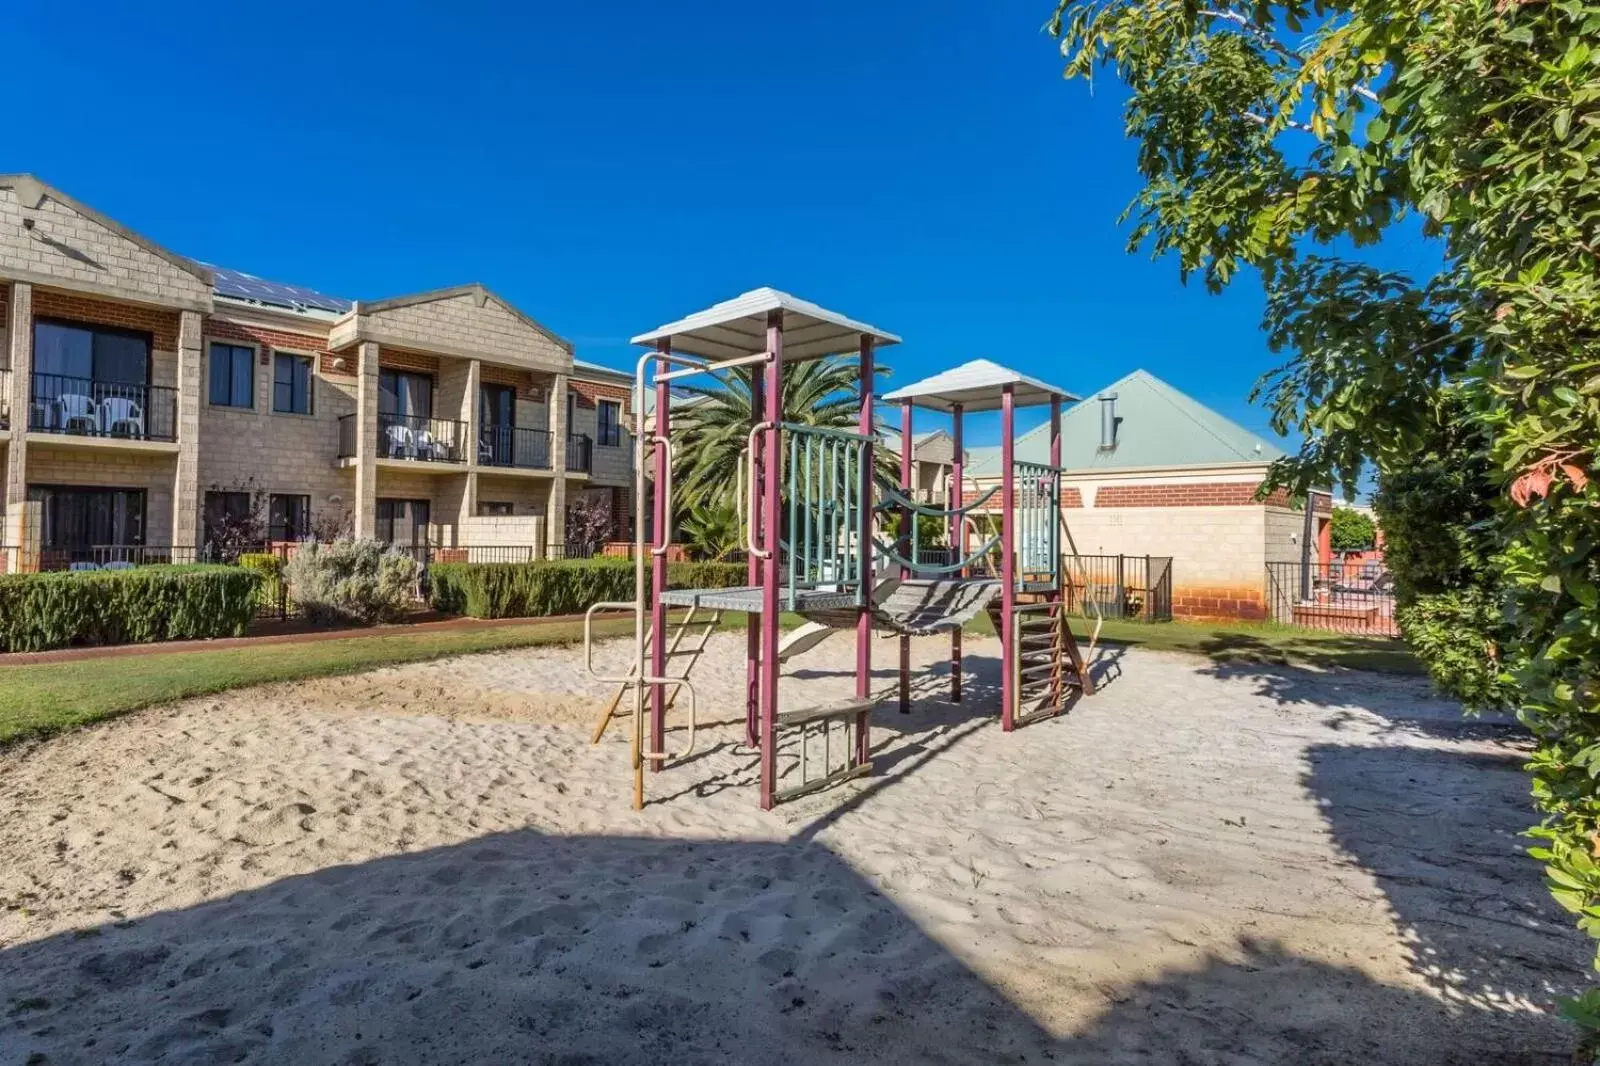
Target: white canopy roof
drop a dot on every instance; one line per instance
(976, 386)
(739, 327)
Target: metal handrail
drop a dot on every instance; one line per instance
(750, 515)
(664, 534)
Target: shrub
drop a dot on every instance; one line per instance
(542, 589)
(346, 582)
(270, 567)
(152, 603)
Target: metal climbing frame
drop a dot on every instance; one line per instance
(830, 544)
(1038, 523)
(824, 468)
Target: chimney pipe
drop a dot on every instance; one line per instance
(1108, 422)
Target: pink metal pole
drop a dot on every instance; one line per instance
(868, 429)
(908, 527)
(753, 570)
(1056, 595)
(658, 563)
(770, 500)
(959, 541)
(1008, 555)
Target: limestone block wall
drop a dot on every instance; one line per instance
(528, 496)
(466, 321)
(152, 472)
(519, 531)
(257, 448)
(83, 252)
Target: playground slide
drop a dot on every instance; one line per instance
(801, 640)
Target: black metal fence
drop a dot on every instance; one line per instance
(1133, 587)
(87, 406)
(97, 557)
(1340, 598)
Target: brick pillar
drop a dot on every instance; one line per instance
(556, 513)
(20, 348)
(186, 481)
(469, 410)
(366, 509)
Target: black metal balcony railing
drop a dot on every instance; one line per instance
(514, 446)
(429, 440)
(580, 453)
(84, 406)
(5, 399)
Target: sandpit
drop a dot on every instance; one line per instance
(1200, 864)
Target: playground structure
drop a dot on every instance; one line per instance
(814, 520)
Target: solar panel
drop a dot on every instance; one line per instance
(241, 286)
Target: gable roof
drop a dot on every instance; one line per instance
(891, 438)
(739, 327)
(976, 386)
(1158, 427)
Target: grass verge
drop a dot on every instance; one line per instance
(39, 699)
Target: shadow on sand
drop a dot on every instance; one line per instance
(521, 947)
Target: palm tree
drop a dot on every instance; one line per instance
(821, 393)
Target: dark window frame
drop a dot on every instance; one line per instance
(608, 436)
(293, 358)
(234, 348)
(279, 527)
(148, 337)
(386, 517)
(396, 374)
(36, 493)
(496, 509)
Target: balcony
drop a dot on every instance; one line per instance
(410, 438)
(107, 409)
(5, 399)
(580, 453)
(514, 447)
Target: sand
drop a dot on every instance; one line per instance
(1200, 864)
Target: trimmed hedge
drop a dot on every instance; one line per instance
(151, 603)
(543, 589)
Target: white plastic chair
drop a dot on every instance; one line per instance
(431, 447)
(75, 407)
(402, 442)
(119, 411)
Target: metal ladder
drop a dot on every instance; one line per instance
(1047, 662)
(675, 670)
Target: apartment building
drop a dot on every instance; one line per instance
(144, 395)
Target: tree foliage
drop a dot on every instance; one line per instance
(1283, 138)
(1353, 530)
(714, 431)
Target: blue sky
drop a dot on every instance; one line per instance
(609, 167)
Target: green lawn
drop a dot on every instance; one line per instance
(41, 699)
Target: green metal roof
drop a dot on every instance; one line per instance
(1158, 426)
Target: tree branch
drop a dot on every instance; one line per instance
(1272, 44)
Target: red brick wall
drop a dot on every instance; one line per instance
(162, 325)
(590, 391)
(399, 359)
(521, 380)
(1200, 603)
(268, 339)
(1190, 494)
(1070, 497)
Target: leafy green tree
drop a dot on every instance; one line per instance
(1271, 136)
(1353, 531)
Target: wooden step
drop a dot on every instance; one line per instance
(839, 709)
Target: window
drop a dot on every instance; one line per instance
(291, 384)
(232, 375)
(74, 519)
(403, 396)
(227, 516)
(288, 517)
(494, 508)
(97, 353)
(403, 522)
(609, 423)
